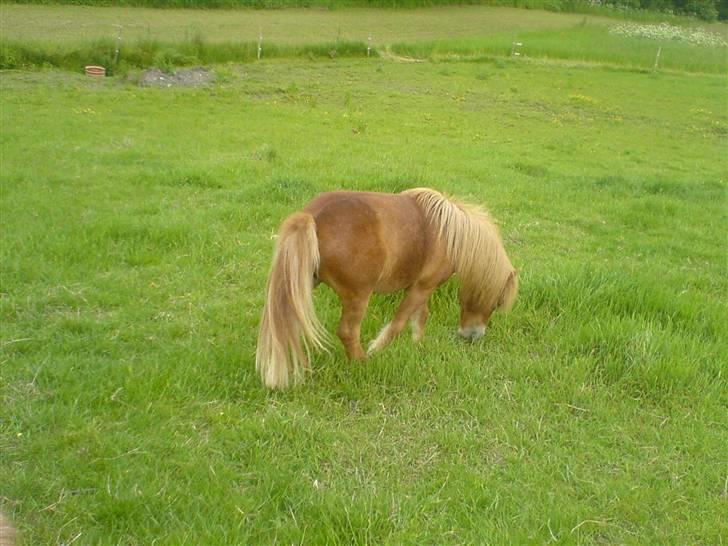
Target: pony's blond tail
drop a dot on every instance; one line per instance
(289, 328)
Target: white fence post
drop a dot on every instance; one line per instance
(118, 44)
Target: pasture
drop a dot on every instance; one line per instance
(137, 232)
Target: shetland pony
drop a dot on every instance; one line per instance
(359, 243)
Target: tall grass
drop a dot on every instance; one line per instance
(152, 53)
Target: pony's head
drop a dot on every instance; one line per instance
(474, 247)
(476, 310)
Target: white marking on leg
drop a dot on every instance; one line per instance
(417, 329)
(381, 340)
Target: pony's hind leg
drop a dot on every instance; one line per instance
(417, 322)
(353, 308)
(416, 297)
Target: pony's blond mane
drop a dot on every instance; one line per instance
(473, 245)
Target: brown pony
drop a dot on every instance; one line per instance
(359, 243)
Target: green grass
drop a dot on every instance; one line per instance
(136, 237)
(166, 56)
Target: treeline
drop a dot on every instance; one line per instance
(709, 10)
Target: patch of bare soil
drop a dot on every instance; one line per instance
(193, 77)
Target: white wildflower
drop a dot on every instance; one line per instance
(665, 31)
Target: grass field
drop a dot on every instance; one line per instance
(137, 232)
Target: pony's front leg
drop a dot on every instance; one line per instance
(353, 308)
(416, 297)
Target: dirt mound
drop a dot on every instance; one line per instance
(193, 77)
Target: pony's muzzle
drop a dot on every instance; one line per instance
(471, 333)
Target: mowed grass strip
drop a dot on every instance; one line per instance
(137, 231)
